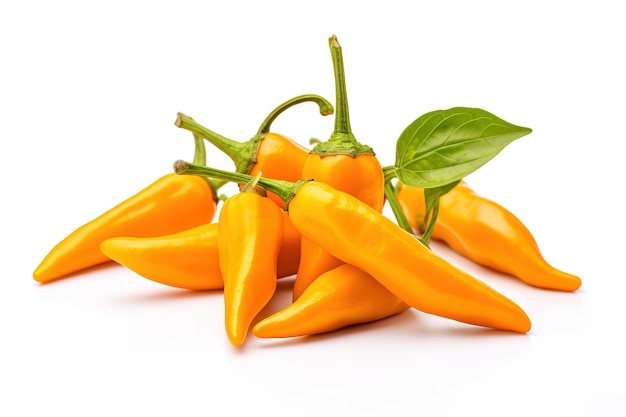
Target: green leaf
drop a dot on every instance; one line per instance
(431, 197)
(444, 146)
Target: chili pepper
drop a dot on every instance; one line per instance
(359, 235)
(275, 155)
(488, 234)
(250, 234)
(170, 204)
(189, 259)
(338, 298)
(344, 163)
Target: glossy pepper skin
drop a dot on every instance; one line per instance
(170, 204)
(190, 259)
(250, 230)
(281, 158)
(345, 164)
(488, 234)
(338, 298)
(361, 177)
(359, 235)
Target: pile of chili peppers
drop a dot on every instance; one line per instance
(316, 215)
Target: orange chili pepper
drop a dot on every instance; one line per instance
(486, 233)
(189, 259)
(338, 298)
(348, 166)
(275, 155)
(250, 234)
(170, 204)
(357, 234)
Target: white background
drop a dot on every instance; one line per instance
(88, 95)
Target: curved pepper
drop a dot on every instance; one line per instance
(189, 259)
(250, 234)
(341, 297)
(359, 235)
(275, 155)
(488, 234)
(168, 205)
(347, 165)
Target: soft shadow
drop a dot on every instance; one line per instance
(282, 298)
(471, 331)
(171, 294)
(397, 323)
(82, 272)
(409, 324)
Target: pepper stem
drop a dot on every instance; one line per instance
(243, 154)
(390, 195)
(199, 155)
(284, 189)
(253, 187)
(343, 130)
(342, 141)
(430, 220)
(389, 173)
(325, 109)
(199, 158)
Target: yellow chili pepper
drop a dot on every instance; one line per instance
(250, 234)
(344, 163)
(190, 259)
(488, 234)
(338, 298)
(357, 234)
(168, 205)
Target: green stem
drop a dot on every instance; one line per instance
(254, 187)
(390, 173)
(432, 198)
(252, 184)
(325, 109)
(431, 219)
(343, 130)
(228, 146)
(342, 141)
(199, 155)
(284, 189)
(199, 158)
(390, 194)
(243, 154)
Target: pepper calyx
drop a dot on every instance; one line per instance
(243, 154)
(246, 155)
(338, 146)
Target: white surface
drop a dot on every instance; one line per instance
(88, 97)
